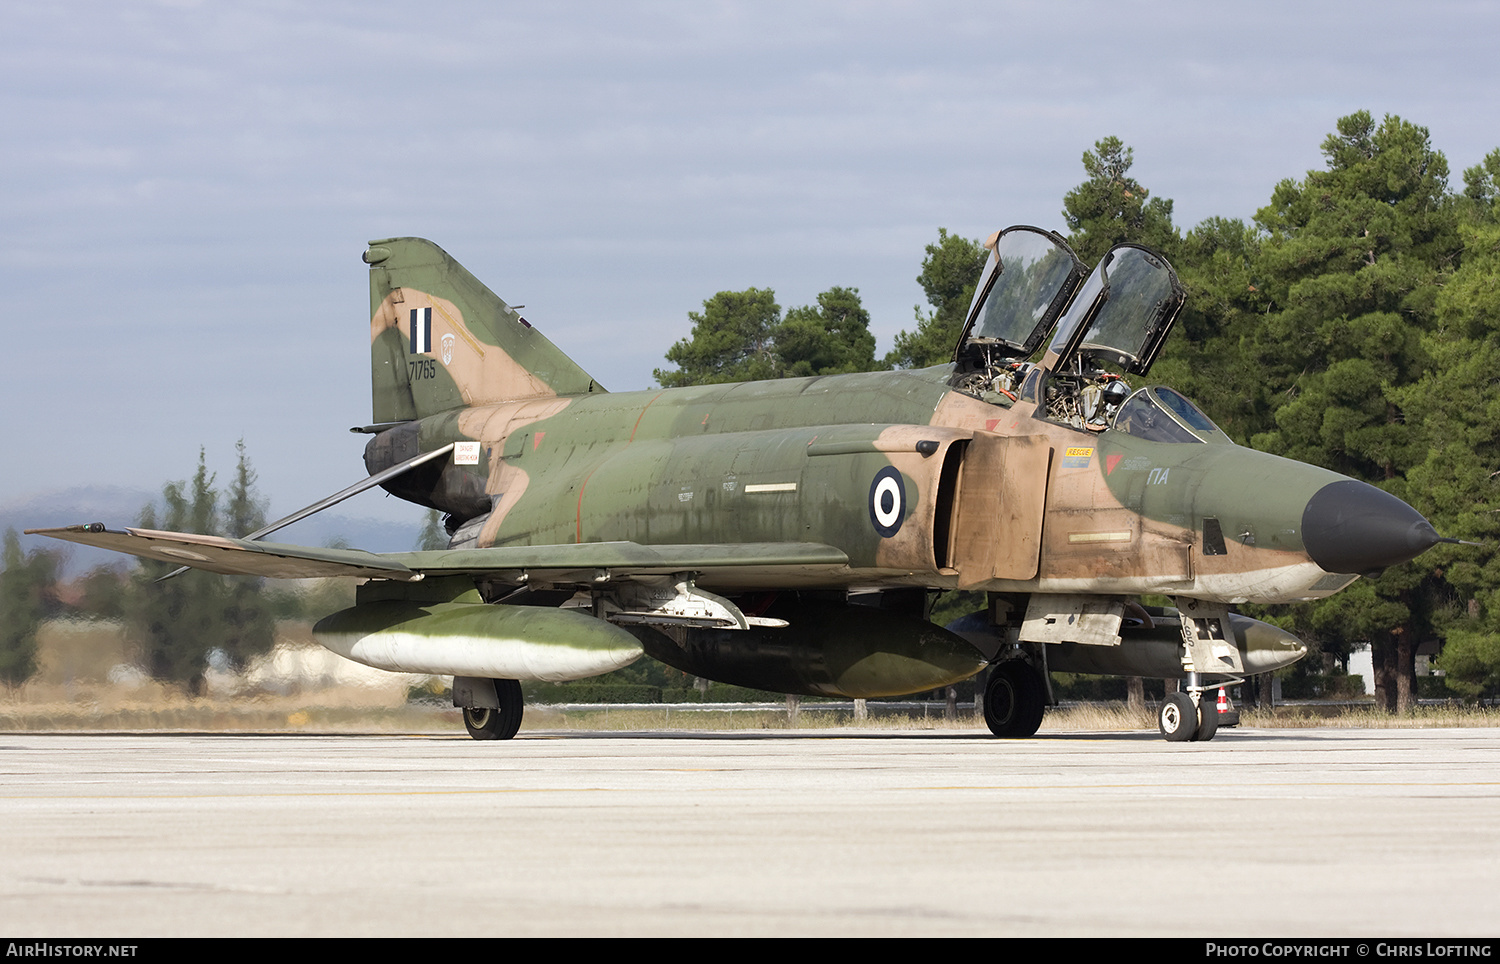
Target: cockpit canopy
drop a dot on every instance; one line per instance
(1122, 314)
(1034, 282)
(1103, 325)
(1029, 279)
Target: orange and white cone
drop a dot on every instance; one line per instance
(1223, 706)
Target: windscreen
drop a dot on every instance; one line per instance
(1161, 414)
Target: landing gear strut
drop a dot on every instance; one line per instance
(1014, 699)
(496, 723)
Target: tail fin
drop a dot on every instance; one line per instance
(439, 339)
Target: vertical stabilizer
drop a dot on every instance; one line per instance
(440, 339)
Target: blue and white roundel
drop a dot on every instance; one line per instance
(887, 501)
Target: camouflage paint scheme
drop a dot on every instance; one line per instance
(787, 534)
(793, 460)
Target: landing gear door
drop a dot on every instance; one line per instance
(1002, 495)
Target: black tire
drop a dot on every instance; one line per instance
(1208, 718)
(1178, 718)
(484, 723)
(1014, 700)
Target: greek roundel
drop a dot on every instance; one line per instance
(887, 501)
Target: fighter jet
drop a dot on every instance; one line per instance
(790, 535)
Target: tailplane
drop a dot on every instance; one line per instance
(440, 339)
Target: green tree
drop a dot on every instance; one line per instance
(1351, 265)
(950, 273)
(1457, 484)
(829, 338)
(1217, 264)
(177, 622)
(741, 336)
(28, 594)
(1112, 207)
(102, 592)
(433, 536)
(248, 627)
(732, 341)
(174, 621)
(1481, 197)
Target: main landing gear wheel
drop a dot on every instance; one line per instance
(1178, 718)
(1014, 700)
(485, 723)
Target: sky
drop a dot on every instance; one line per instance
(186, 187)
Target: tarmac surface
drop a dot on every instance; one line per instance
(1271, 833)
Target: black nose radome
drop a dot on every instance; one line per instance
(1351, 527)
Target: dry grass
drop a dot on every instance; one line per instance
(355, 709)
(156, 708)
(1098, 716)
(1367, 717)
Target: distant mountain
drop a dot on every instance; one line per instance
(117, 506)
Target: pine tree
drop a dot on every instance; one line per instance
(248, 628)
(178, 622)
(741, 336)
(1352, 264)
(829, 338)
(28, 586)
(1111, 207)
(732, 341)
(950, 273)
(433, 535)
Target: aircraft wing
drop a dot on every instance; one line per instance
(243, 557)
(234, 557)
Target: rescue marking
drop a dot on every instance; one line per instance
(887, 501)
(772, 487)
(1078, 457)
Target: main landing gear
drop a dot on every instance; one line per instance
(499, 721)
(1014, 699)
(1182, 719)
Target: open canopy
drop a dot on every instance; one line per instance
(1029, 279)
(1122, 314)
